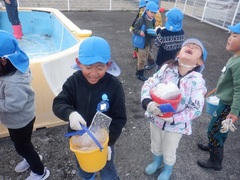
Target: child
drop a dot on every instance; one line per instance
(169, 39)
(167, 132)
(17, 105)
(228, 91)
(83, 91)
(12, 12)
(146, 21)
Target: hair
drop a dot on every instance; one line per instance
(7, 69)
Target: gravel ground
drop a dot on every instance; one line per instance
(132, 148)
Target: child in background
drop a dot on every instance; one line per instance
(141, 6)
(167, 132)
(82, 93)
(228, 91)
(12, 12)
(169, 39)
(144, 47)
(153, 49)
(17, 105)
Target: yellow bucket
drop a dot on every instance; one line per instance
(92, 160)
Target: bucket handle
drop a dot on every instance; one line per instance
(211, 92)
(81, 132)
(93, 137)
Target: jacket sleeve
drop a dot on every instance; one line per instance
(118, 114)
(137, 26)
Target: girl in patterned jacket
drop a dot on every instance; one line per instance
(167, 132)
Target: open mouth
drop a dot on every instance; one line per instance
(189, 51)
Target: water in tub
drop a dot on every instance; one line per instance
(36, 46)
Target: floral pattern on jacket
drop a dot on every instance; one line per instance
(193, 89)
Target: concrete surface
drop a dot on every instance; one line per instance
(132, 148)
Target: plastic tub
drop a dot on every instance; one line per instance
(173, 102)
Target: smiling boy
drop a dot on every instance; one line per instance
(83, 92)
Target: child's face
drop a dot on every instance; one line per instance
(233, 43)
(93, 73)
(150, 14)
(191, 54)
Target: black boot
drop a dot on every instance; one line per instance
(140, 75)
(215, 160)
(203, 147)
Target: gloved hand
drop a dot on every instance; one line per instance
(152, 108)
(170, 119)
(75, 119)
(227, 125)
(109, 153)
(131, 29)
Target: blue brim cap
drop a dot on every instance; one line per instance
(174, 20)
(9, 49)
(235, 28)
(113, 69)
(199, 43)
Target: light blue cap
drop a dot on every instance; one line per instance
(199, 43)
(9, 49)
(174, 20)
(235, 29)
(96, 50)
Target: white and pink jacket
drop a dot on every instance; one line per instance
(192, 88)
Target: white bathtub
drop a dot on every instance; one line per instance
(51, 71)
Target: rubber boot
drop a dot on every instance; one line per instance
(166, 172)
(215, 160)
(203, 147)
(134, 54)
(140, 75)
(92, 178)
(155, 165)
(17, 31)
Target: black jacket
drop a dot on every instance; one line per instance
(79, 95)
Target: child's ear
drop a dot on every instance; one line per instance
(3, 61)
(109, 63)
(200, 62)
(78, 62)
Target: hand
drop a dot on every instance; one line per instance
(8, 1)
(109, 153)
(75, 120)
(131, 29)
(227, 125)
(170, 119)
(153, 108)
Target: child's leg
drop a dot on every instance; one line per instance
(142, 59)
(109, 170)
(24, 147)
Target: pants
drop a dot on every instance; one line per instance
(12, 12)
(24, 147)
(164, 143)
(107, 173)
(142, 57)
(215, 137)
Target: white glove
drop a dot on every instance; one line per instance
(75, 120)
(227, 125)
(109, 155)
(170, 119)
(131, 29)
(152, 108)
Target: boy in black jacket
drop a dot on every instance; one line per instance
(83, 91)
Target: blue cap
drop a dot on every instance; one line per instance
(199, 43)
(96, 50)
(152, 6)
(235, 29)
(156, 1)
(142, 3)
(93, 50)
(10, 50)
(174, 20)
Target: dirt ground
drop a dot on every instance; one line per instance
(133, 147)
